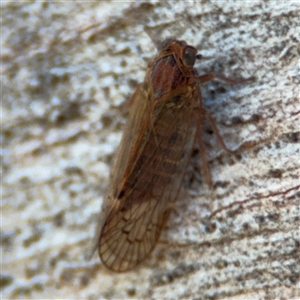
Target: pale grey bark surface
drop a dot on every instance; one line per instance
(67, 70)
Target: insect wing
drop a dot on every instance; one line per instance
(150, 178)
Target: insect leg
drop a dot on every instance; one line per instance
(217, 133)
(212, 76)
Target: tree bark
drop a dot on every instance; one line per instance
(68, 70)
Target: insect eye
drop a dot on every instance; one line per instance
(189, 56)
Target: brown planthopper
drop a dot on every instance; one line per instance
(165, 121)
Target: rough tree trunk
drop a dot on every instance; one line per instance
(67, 70)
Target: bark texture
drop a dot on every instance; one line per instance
(67, 70)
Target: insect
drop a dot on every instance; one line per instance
(164, 123)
